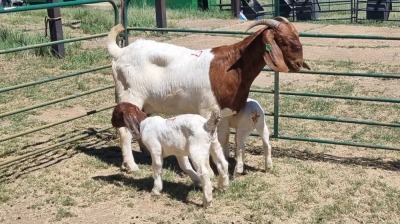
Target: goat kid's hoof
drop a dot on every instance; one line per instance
(129, 169)
(269, 167)
(223, 185)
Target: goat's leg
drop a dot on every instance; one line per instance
(157, 162)
(184, 164)
(222, 165)
(240, 139)
(128, 163)
(266, 146)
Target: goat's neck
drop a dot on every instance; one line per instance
(234, 69)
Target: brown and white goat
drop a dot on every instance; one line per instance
(183, 136)
(169, 79)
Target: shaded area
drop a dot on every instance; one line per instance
(376, 163)
(104, 146)
(177, 191)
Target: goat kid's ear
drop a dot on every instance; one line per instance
(133, 125)
(273, 55)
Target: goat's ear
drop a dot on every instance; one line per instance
(133, 125)
(273, 55)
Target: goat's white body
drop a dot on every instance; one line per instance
(166, 78)
(249, 118)
(184, 136)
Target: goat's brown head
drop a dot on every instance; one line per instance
(129, 116)
(283, 49)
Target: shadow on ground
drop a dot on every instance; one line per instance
(376, 163)
(177, 191)
(104, 146)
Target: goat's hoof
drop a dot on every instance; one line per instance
(223, 185)
(155, 192)
(269, 167)
(207, 204)
(129, 169)
(197, 184)
(239, 169)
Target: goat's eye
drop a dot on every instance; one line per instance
(295, 46)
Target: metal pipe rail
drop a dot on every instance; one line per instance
(55, 101)
(56, 5)
(52, 43)
(61, 4)
(50, 79)
(55, 123)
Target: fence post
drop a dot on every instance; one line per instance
(276, 104)
(235, 6)
(161, 16)
(55, 26)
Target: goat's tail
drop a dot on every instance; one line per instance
(113, 48)
(212, 122)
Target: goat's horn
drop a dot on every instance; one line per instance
(268, 22)
(281, 18)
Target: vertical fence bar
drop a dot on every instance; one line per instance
(235, 7)
(276, 104)
(56, 30)
(124, 21)
(277, 8)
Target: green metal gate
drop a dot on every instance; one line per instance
(277, 94)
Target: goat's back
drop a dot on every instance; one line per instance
(249, 116)
(164, 78)
(176, 133)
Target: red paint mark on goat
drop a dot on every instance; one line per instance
(197, 54)
(255, 116)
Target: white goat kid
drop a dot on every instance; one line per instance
(183, 136)
(249, 118)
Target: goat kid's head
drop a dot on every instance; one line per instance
(283, 49)
(129, 116)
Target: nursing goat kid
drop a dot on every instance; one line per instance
(250, 117)
(183, 136)
(169, 79)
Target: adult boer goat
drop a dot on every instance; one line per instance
(169, 79)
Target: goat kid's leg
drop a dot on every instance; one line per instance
(267, 148)
(184, 164)
(205, 180)
(156, 164)
(222, 165)
(128, 163)
(240, 139)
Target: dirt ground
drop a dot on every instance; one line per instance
(102, 194)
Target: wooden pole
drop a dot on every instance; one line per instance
(161, 15)
(235, 6)
(56, 31)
